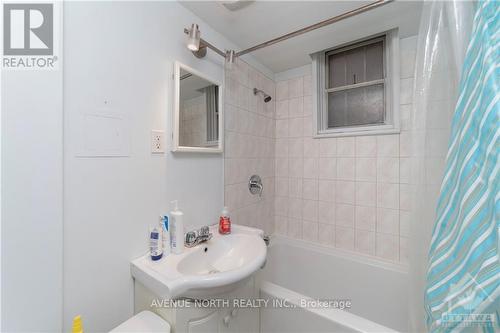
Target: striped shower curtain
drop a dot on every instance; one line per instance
(463, 276)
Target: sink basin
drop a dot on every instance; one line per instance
(210, 268)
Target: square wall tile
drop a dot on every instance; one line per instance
(282, 109)
(388, 221)
(405, 197)
(282, 128)
(295, 187)
(280, 225)
(406, 91)
(366, 146)
(344, 238)
(311, 166)
(366, 194)
(388, 145)
(326, 190)
(388, 169)
(326, 212)
(344, 215)
(281, 149)
(387, 246)
(308, 128)
(295, 127)
(408, 43)
(346, 168)
(295, 87)
(296, 107)
(407, 63)
(344, 192)
(327, 147)
(281, 186)
(281, 169)
(403, 249)
(310, 231)
(311, 147)
(310, 189)
(345, 147)
(366, 169)
(295, 208)
(296, 167)
(405, 144)
(404, 223)
(327, 168)
(388, 195)
(294, 228)
(282, 90)
(295, 147)
(281, 206)
(307, 80)
(365, 242)
(310, 210)
(365, 218)
(404, 170)
(405, 116)
(326, 234)
(308, 105)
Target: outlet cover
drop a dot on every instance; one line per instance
(157, 142)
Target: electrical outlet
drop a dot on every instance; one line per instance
(157, 141)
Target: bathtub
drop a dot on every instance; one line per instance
(297, 272)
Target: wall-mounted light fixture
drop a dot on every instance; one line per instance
(198, 45)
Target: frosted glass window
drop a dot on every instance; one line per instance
(355, 84)
(356, 107)
(338, 67)
(375, 61)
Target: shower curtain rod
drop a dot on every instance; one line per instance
(318, 25)
(230, 54)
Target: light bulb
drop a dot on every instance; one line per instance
(193, 41)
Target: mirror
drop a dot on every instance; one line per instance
(197, 122)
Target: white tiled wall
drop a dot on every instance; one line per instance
(249, 146)
(193, 129)
(352, 192)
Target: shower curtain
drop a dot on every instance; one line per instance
(454, 167)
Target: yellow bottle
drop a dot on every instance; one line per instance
(77, 325)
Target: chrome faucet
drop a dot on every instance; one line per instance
(196, 237)
(255, 185)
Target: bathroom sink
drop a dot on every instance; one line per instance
(208, 269)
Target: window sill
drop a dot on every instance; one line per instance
(356, 131)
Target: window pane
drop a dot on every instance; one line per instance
(355, 65)
(337, 68)
(354, 107)
(358, 65)
(375, 61)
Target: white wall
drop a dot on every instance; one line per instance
(32, 176)
(123, 53)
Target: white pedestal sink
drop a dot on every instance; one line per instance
(208, 269)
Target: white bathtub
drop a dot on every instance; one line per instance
(298, 270)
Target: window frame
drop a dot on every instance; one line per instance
(391, 88)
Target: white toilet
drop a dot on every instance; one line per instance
(144, 322)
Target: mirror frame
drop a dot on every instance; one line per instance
(176, 114)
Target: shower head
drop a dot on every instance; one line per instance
(267, 98)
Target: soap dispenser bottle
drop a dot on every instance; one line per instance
(176, 229)
(224, 222)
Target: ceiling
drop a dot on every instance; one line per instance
(260, 21)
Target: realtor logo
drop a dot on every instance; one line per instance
(28, 36)
(28, 29)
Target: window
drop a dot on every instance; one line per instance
(356, 90)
